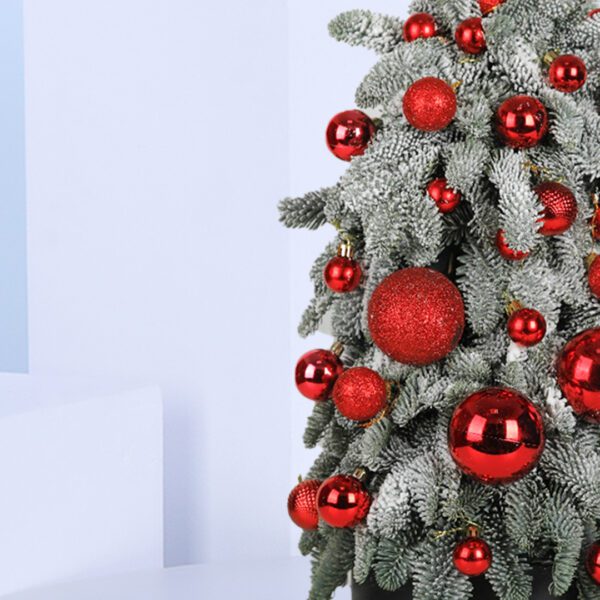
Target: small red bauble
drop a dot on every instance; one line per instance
(487, 6)
(560, 207)
(342, 273)
(496, 435)
(522, 122)
(592, 562)
(472, 557)
(416, 316)
(429, 104)
(419, 25)
(594, 277)
(445, 197)
(349, 133)
(470, 36)
(526, 327)
(505, 250)
(360, 394)
(316, 373)
(302, 504)
(594, 11)
(568, 73)
(578, 373)
(343, 501)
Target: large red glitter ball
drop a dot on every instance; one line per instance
(470, 36)
(316, 373)
(419, 25)
(416, 316)
(302, 504)
(560, 207)
(472, 557)
(594, 277)
(342, 274)
(567, 73)
(444, 196)
(343, 501)
(487, 6)
(527, 327)
(592, 562)
(505, 250)
(360, 394)
(522, 122)
(349, 133)
(578, 373)
(496, 435)
(429, 104)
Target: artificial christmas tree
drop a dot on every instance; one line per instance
(458, 411)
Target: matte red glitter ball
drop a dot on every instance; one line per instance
(302, 504)
(592, 562)
(419, 25)
(496, 435)
(505, 250)
(316, 372)
(343, 501)
(522, 122)
(429, 104)
(360, 394)
(470, 36)
(560, 207)
(416, 316)
(567, 73)
(527, 327)
(594, 277)
(342, 274)
(444, 196)
(487, 6)
(349, 133)
(472, 557)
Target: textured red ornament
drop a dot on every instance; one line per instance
(349, 133)
(342, 274)
(578, 373)
(343, 501)
(487, 6)
(560, 207)
(360, 394)
(522, 122)
(429, 104)
(496, 435)
(470, 36)
(527, 327)
(505, 250)
(592, 562)
(419, 25)
(445, 197)
(316, 373)
(472, 557)
(302, 504)
(416, 316)
(568, 73)
(594, 277)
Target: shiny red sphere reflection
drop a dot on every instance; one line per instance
(472, 557)
(445, 198)
(592, 562)
(419, 25)
(522, 122)
(349, 133)
(343, 501)
(470, 36)
(527, 327)
(316, 372)
(567, 73)
(342, 274)
(505, 250)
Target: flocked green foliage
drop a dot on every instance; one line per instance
(552, 515)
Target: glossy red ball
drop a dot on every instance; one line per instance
(349, 133)
(578, 374)
(594, 277)
(496, 435)
(594, 12)
(343, 501)
(487, 6)
(505, 250)
(592, 562)
(522, 122)
(472, 557)
(360, 394)
(568, 73)
(527, 327)
(470, 37)
(444, 196)
(429, 104)
(419, 25)
(342, 274)
(560, 207)
(416, 316)
(316, 372)
(302, 504)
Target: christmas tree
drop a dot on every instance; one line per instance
(458, 410)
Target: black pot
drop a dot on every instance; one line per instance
(483, 591)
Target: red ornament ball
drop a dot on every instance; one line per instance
(472, 557)
(568, 73)
(527, 327)
(560, 207)
(578, 373)
(522, 122)
(487, 6)
(316, 372)
(594, 277)
(470, 36)
(302, 504)
(416, 316)
(593, 12)
(592, 562)
(342, 274)
(419, 25)
(505, 250)
(360, 394)
(444, 196)
(343, 501)
(349, 133)
(496, 435)
(429, 104)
